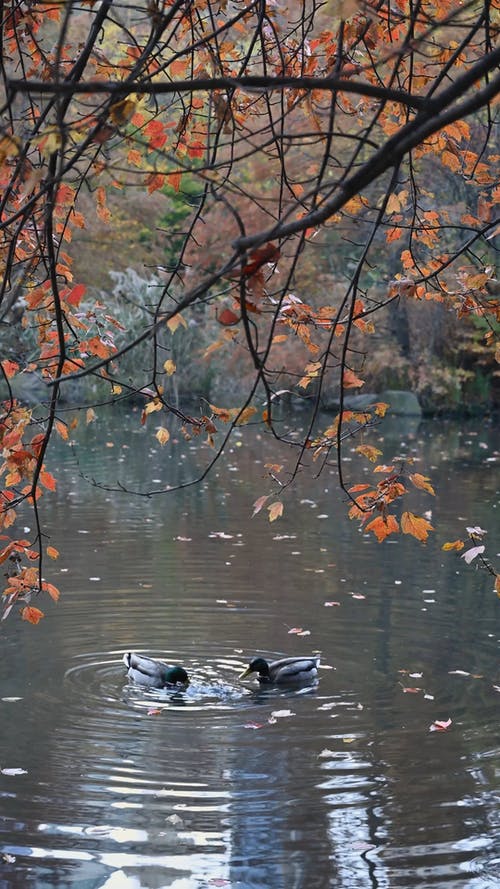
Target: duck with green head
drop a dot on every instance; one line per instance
(152, 673)
(283, 672)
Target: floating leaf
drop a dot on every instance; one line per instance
(456, 544)
(440, 725)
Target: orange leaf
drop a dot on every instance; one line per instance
(174, 179)
(457, 544)
(350, 380)
(62, 429)
(33, 615)
(415, 525)
(421, 481)
(497, 584)
(51, 590)
(10, 368)
(48, 480)
(383, 526)
(275, 510)
(52, 552)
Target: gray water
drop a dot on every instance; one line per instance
(339, 785)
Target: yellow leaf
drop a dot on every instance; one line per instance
(91, 415)
(415, 525)
(175, 322)
(122, 111)
(381, 408)
(368, 451)
(393, 204)
(422, 482)
(52, 552)
(116, 389)
(456, 544)
(275, 510)
(152, 406)
(10, 146)
(169, 367)
(162, 435)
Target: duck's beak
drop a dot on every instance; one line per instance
(245, 673)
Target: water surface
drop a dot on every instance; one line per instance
(340, 785)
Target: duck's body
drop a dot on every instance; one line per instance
(154, 674)
(285, 671)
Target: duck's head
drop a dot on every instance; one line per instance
(258, 665)
(176, 676)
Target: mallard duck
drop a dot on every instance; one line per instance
(286, 670)
(154, 674)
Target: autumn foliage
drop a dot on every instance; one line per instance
(299, 126)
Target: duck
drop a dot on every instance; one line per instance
(286, 670)
(153, 673)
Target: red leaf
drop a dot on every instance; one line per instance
(227, 318)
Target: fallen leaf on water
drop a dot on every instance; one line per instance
(254, 725)
(411, 691)
(440, 725)
(330, 604)
(358, 596)
(154, 711)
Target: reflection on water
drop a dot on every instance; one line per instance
(104, 784)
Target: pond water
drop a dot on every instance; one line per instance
(338, 785)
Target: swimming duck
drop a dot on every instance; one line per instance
(154, 674)
(286, 670)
